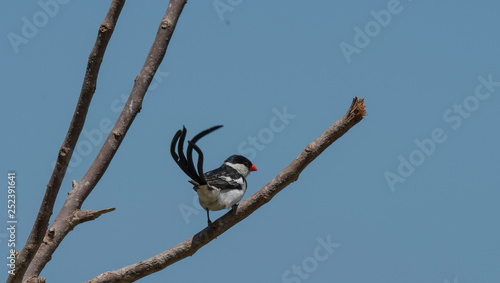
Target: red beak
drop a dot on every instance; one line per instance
(253, 168)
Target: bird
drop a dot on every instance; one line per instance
(221, 188)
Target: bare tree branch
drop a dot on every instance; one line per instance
(290, 174)
(36, 280)
(81, 216)
(88, 88)
(65, 220)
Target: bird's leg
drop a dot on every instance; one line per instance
(210, 224)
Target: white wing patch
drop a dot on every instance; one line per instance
(230, 180)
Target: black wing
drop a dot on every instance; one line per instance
(187, 164)
(226, 178)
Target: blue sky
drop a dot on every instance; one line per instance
(410, 194)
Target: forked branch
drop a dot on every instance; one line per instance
(70, 214)
(88, 88)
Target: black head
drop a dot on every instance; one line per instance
(238, 159)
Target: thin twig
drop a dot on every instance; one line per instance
(62, 225)
(81, 216)
(88, 88)
(290, 174)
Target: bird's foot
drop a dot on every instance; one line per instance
(211, 224)
(234, 207)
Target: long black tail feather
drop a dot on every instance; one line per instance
(180, 159)
(187, 164)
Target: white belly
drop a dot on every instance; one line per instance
(215, 199)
